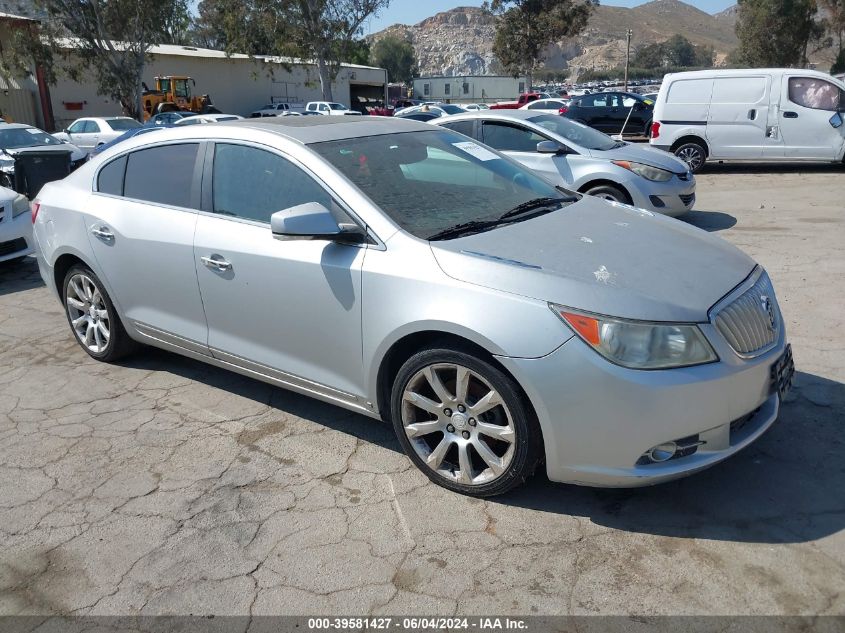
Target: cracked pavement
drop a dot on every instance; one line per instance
(164, 486)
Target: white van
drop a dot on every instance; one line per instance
(775, 114)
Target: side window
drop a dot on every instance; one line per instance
(505, 137)
(253, 184)
(110, 179)
(161, 174)
(77, 127)
(93, 127)
(324, 107)
(462, 127)
(814, 93)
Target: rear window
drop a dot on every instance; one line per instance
(162, 174)
(462, 127)
(750, 90)
(123, 124)
(690, 91)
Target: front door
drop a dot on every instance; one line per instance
(141, 223)
(806, 105)
(85, 134)
(520, 143)
(738, 116)
(290, 309)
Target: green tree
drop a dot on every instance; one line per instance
(525, 29)
(839, 64)
(775, 32)
(359, 52)
(835, 22)
(677, 52)
(326, 31)
(111, 39)
(397, 55)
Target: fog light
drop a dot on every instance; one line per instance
(663, 452)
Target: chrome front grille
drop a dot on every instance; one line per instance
(750, 323)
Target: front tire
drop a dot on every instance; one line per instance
(92, 317)
(464, 423)
(693, 154)
(608, 192)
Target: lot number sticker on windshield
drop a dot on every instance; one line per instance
(476, 150)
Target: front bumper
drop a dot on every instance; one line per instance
(15, 235)
(673, 198)
(598, 419)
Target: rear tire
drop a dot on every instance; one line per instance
(609, 192)
(693, 154)
(478, 437)
(92, 318)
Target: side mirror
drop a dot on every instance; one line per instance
(550, 147)
(312, 221)
(836, 120)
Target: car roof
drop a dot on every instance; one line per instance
(500, 115)
(15, 126)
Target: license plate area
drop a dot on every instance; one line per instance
(782, 372)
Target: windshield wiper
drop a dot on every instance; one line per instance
(474, 226)
(531, 205)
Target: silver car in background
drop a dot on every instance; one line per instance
(408, 273)
(582, 159)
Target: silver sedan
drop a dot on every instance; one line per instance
(582, 159)
(408, 273)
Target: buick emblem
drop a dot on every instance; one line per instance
(769, 308)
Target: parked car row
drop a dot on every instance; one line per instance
(411, 272)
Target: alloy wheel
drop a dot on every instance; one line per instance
(692, 156)
(86, 309)
(458, 424)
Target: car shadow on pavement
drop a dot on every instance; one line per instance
(17, 276)
(709, 220)
(785, 488)
(772, 168)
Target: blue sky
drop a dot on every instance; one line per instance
(412, 11)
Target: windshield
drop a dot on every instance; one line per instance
(25, 137)
(578, 133)
(451, 109)
(122, 124)
(428, 182)
(337, 106)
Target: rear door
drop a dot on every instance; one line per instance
(141, 228)
(738, 116)
(806, 105)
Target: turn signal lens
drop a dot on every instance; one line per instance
(655, 129)
(640, 344)
(587, 327)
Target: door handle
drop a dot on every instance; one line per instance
(790, 115)
(752, 114)
(216, 262)
(103, 233)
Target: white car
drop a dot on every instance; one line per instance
(546, 104)
(90, 132)
(475, 107)
(202, 119)
(329, 108)
(18, 136)
(15, 225)
(774, 114)
(277, 109)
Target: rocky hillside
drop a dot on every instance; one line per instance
(460, 41)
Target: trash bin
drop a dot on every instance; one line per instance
(36, 167)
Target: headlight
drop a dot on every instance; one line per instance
(20, 206)
(7, 164)
(646, 171)
(640, 344)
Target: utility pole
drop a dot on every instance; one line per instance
(628, 35)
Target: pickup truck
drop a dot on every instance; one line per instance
(526, 97)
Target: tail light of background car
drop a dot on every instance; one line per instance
(34, 209)
(563, 110)
(655, 129)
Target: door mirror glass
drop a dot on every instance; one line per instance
(836, 120)
(312, 221)
(550, 147)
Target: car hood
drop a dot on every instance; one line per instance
(642, 153)
(602, 257)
